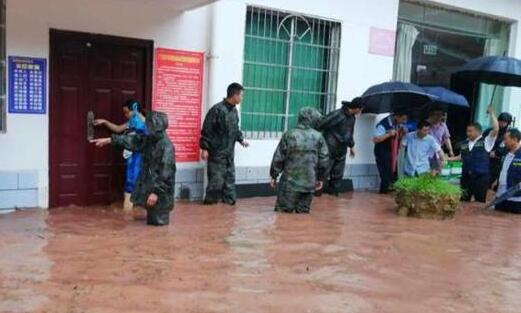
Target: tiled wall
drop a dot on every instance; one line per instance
(18, 189)
(189, 182)
(364, 176)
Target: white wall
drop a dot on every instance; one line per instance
(28, 24)
(357, 68)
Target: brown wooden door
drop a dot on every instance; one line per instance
(91, 73)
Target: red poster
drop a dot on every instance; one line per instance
(178, 87)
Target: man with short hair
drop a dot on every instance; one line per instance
(338, 131)
(388, 134)
(475, 151)
(218, 136)
(510, 174)
(420, 146)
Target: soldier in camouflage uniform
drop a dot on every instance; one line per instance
(155, 186)
(218, 137)
(338, 130)
(301, 157)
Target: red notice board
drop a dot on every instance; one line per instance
(178, 87)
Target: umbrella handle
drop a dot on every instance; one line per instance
(495, 86)
(493, 94)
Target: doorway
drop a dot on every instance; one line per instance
(91, 76)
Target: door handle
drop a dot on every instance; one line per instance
(90, 125)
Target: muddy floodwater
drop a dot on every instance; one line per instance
(351, 254)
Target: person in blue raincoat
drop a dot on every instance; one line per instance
(135, 125)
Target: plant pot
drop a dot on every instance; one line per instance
(422, 205)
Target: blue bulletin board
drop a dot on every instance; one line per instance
(27, 85)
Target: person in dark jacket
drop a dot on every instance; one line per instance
(474, 153)
(499, 151)
(300, 160)
(218, 137)
(510, 174)
(387, 137)
(155, 186)
(338, 131)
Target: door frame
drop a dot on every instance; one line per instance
(55, 36)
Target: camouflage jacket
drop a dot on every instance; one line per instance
(302, 154)
(221, 131)
(158, 166)
(337, 128)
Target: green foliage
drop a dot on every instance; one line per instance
(426, 185)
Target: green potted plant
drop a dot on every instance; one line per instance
(426, 197)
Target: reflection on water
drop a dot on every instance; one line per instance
(248, 242)
(23, 266)
(351, 254)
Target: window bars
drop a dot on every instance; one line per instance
(290, 61)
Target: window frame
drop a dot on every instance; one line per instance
(327, 89)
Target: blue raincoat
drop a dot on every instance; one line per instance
(135, 126)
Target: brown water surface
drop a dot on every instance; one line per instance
(351, 254)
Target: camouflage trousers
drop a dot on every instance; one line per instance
(221, 181)
(335, 169)
(291, 201)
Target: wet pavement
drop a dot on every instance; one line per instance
(351, 254)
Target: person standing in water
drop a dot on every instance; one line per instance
(338, 131)
(475, 156)
(440, 132)
(155, 187)
(219, 134)
(500, 150)
(300, 160)
(135, 125)
(387, 137)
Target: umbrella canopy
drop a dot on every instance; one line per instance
(447, 97)
(390, 96)
(494, 70)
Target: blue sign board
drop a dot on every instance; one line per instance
(27, 85)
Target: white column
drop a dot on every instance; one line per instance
(226, 48)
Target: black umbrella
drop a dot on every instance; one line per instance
(447, 97)
(511, 192)
(494, 70)
(392, 96)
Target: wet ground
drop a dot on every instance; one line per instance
(351, 254)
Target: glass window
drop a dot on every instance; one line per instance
(290, 61)
(432, 42)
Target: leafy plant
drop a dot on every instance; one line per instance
(426, 185)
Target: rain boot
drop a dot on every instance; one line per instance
(157, 217)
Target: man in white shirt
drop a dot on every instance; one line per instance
(510, 174)
(475, 156)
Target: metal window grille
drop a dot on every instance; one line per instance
(290, 61)
(2, 68)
